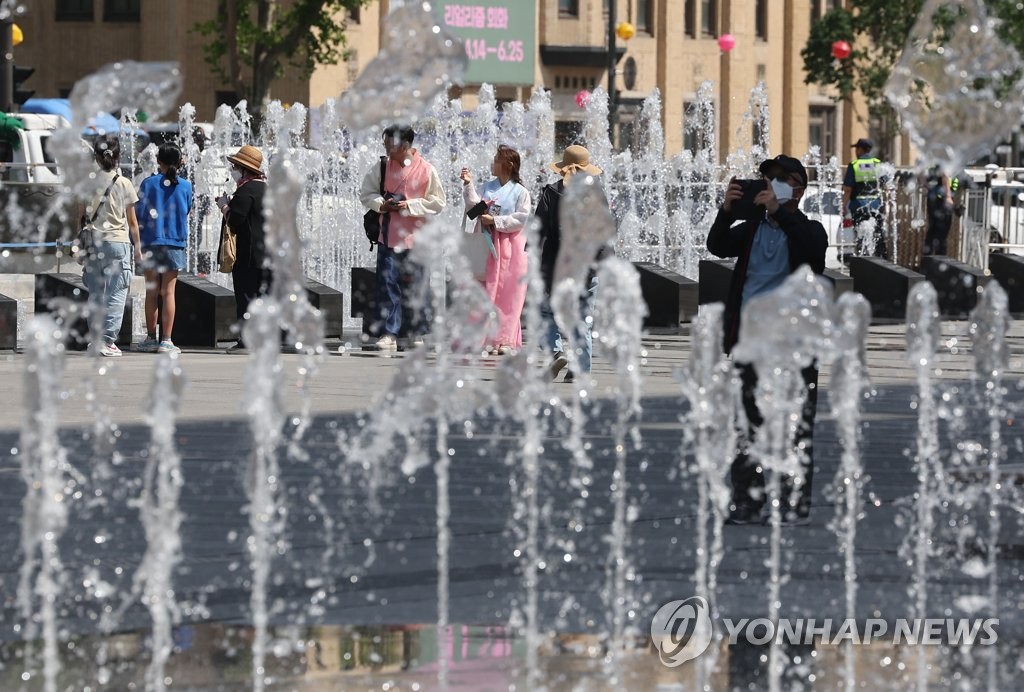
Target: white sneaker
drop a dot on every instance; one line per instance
(167, 346)
(386, 343)
(417, 341)
(110, 351)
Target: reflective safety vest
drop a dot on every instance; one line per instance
(866, 173)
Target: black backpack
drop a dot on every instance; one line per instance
(371, 219)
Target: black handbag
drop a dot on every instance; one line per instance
(85, 243)
(371, 219)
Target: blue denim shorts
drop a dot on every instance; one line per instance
(163, 258)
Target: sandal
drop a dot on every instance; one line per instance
(504, 350)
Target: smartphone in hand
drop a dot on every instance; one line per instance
(476, 210)
(744, 207)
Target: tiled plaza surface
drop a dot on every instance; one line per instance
(365, 566)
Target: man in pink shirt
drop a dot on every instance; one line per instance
(412, 192)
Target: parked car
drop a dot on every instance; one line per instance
(824, 204)
(1006, 211)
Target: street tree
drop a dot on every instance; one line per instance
(877, 30)
(252, 42)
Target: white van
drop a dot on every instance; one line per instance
(31, 182)
(33, 162)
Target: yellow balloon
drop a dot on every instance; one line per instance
(16, 34)
(625, 31)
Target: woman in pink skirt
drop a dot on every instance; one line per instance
(508, 207)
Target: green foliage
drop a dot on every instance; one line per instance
(878, 30)
(266, 36)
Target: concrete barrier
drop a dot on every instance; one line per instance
(8, 323)
(714, 277)
(331, 303)
(958, 285)
(885, 285)
(841, 283)
(364, 296)
(1008, 270)
(204, 312)
(671, 298)
(51, 289)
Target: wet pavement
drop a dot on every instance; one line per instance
(345, 572)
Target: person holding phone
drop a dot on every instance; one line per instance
(768, 249)
(412, 193)
(508, 205)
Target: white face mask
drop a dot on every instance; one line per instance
(236, 174)
(783, 191)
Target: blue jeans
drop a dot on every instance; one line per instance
(581, 337)
(107, 276)
(401, 282)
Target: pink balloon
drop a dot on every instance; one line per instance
(726, 42)
(582, 96)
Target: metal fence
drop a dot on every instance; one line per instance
(989, 218)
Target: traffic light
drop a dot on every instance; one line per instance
(20, 74)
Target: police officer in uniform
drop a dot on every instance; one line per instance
(939, 191)
(862, 195)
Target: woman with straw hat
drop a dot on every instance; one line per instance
(243, 213)
(575, 159)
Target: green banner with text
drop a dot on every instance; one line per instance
(500, 36)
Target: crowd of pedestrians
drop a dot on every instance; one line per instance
(146, 231)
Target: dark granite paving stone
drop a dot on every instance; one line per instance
(485, 574)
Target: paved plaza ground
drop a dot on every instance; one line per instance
(380, 569)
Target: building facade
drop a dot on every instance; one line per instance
(675, 49)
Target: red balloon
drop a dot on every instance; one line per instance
(582, 97)
(726, 42)
(841, 50)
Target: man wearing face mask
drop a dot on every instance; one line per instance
(768, 249)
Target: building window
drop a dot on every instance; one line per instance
(608, 7)
(690, 18)
(567, 132)
(568, 8)
(761, 20)
(74, 10)
(709, 18)
(645, 16)
(699, 127)
(353, 15)
(822, 130)
(121, 10)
